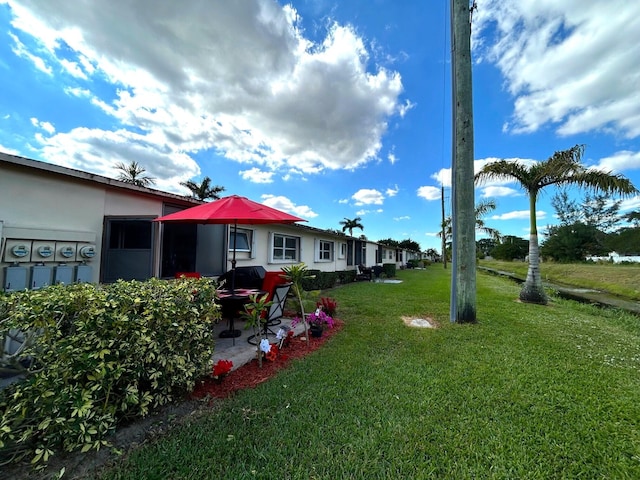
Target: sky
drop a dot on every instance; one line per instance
(329, 110)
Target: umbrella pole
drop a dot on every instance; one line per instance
(233, 259)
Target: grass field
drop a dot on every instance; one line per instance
(530, 392)
(621, 280)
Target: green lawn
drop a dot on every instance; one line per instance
(622, 280)
(529, 392)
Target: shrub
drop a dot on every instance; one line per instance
(346, 276)
(319, 280)
(101, 355)
(389, 270)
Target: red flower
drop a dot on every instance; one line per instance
(272, 354)
(222, 367)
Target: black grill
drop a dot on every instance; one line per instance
(246, 277)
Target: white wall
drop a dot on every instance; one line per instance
(262, 249)
(616, 258)
(37, 205)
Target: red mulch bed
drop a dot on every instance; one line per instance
(251, 375)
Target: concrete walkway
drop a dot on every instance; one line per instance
(241, 351)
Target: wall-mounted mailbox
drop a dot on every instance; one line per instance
(42, 251)
(17, 251)
(65, 252)
(15, 278)
(41, 276)
(85, 252)
(63, 274)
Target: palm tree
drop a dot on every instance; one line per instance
(562, 168)
(203, 190)
(481, 210)
(132, 173)
(348, 224)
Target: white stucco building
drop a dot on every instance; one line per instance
(63, 225)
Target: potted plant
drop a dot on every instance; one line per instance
(317, 321)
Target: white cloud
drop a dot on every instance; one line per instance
(629, 204)
(392, 158)
(430, 193)
(281, 102)
(9, 151)
(564, 62)
(392, 192)
(283, 203)
(46, 126)
(73, 69)
(404, 217)
(77, 91)
(367, 196)
(21, 50)
(518, 215)
(443, 177)
(97, 151)
(496, 191)
(619, 161)
(256, 175)
(405, 107)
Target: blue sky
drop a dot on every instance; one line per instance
(328, 110)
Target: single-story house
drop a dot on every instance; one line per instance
(63, 225)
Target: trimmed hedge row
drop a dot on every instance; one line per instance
(319, 280)
(101, 355)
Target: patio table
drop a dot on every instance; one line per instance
(232, 302)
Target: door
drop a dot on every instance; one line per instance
(127, 249)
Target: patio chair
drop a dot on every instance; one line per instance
(275, 312)
(363, 273)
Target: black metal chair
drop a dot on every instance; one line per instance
(276, 310)
(363, 273)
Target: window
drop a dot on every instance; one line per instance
(241, 240)
(129, 234)
(343, 250)
(284, 247)
(324, 251)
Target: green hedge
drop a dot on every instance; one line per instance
(102, 355)
(389, 269)
(325, 280)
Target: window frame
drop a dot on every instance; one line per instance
(319, 250)
(273, 236)
(342, 251)
(239, 233)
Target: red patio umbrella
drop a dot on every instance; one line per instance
(234, 210)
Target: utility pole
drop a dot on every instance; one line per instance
(463, 283)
